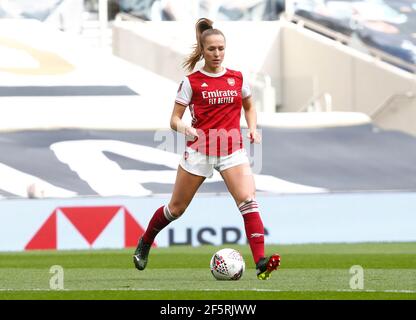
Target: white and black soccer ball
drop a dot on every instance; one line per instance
(227, 264)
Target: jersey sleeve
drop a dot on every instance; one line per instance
(184, 94)
(245, 89)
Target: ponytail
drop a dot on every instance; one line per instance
(203, 28)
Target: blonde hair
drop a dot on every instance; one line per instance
(203, 28)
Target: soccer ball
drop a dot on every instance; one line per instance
(227, 264)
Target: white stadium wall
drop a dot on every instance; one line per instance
(163, 46)
(301, 64)
(117, 222)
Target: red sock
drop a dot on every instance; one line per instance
(254, 228)
(161, 218)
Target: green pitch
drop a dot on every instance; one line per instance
(314, 271)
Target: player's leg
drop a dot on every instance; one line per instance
(240, 183)
(186, 185)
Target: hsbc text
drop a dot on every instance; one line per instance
(207, 235)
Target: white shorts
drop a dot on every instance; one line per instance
(202, 165)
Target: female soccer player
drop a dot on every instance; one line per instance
(215, 96)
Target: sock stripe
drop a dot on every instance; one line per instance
(167, 213)
(252, 202)
(249, 211)
(248, 201)
(248, 206)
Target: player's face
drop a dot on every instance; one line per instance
(214, 50)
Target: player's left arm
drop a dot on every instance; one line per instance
(250, 114)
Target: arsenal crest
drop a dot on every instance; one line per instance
(231, 81)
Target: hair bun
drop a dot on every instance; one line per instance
(203, 24)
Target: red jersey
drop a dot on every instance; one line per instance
(215, 102)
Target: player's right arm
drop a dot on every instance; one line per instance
(183, 98)
(178, 125)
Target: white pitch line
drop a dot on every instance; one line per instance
(252, 289)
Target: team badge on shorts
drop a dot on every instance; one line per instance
(186, 155)
(231, 81)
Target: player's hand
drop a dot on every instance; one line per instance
(254, 136)
(191, 133)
